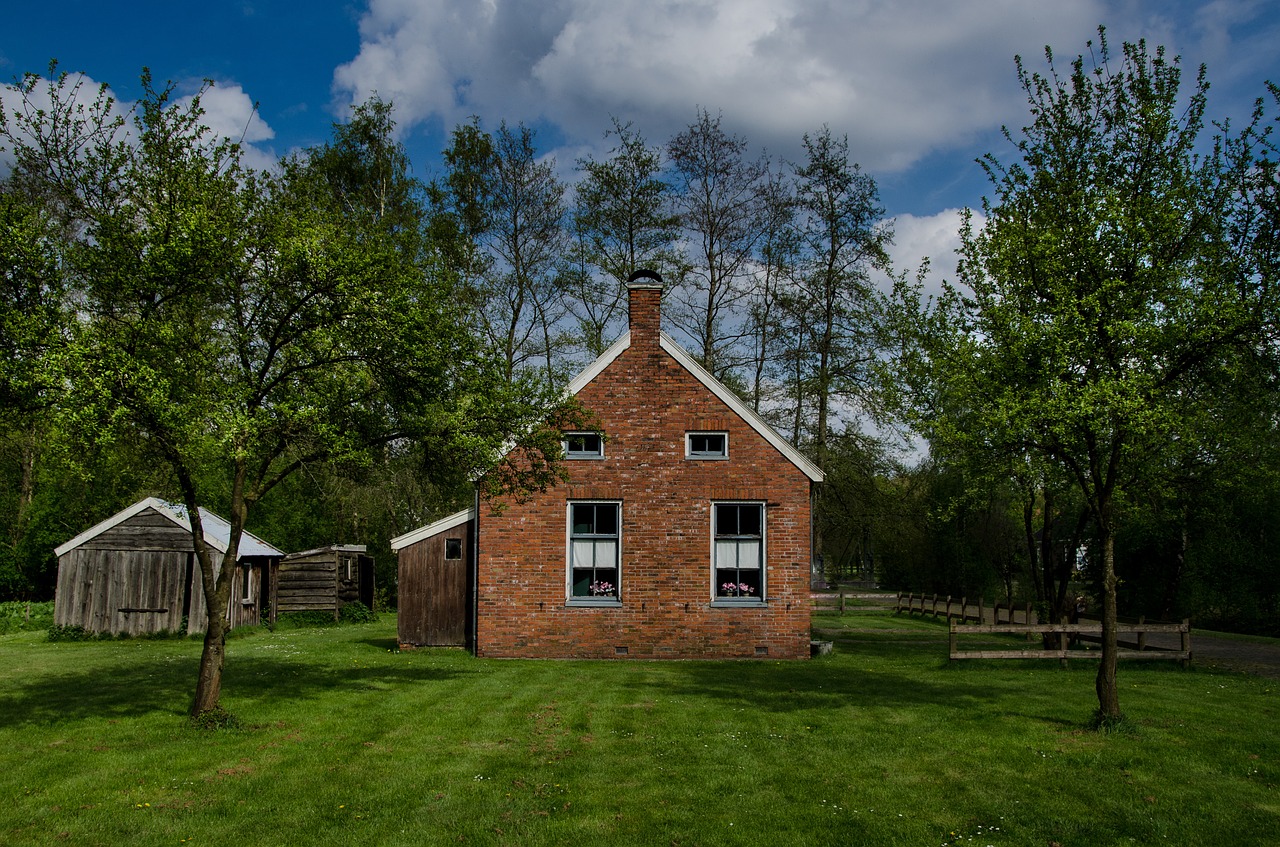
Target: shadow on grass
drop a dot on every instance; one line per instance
(122, 691)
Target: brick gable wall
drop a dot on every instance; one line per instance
(646, 403)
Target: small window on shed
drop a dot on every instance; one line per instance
(706, 445)
(453, 548)
(583, 445)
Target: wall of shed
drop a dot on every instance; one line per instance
(434, 605)
(318, 582)
(141, 577)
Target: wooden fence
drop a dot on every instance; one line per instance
(953, 608)
(1067, 633)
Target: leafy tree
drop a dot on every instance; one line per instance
(244, 326)
(1102, 295)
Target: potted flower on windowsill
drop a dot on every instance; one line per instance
(736, 589)
(600, 588)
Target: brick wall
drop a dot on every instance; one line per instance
(647, 402)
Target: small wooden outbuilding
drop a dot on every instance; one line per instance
(136, 572)
(436, 582)
(325, 579)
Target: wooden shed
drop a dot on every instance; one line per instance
(436, 582)
(136, 572)
(325, 579)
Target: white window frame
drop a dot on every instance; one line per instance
(598, 453)
(705, 456)
(614, 599)
(720, 543)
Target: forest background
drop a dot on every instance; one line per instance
(779, 281)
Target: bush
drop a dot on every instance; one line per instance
(357, 612)
(74, 632)
(16, 616)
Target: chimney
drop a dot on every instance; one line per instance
(645, 308)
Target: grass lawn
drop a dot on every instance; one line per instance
(347, 741)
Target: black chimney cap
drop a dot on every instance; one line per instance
(645, 273)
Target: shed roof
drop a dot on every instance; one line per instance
(456, 519)
(217, 530)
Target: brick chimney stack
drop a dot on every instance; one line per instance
(645, 308)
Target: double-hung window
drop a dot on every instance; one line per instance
(738, 551)
(595, 534)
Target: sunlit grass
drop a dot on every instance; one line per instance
(348, 741)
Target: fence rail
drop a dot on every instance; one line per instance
(1067, 633)
(959, 608)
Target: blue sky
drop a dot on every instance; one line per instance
(921, 87)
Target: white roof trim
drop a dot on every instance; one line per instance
(456, 519)
(743, 411)
(216, 529)
(605, 359)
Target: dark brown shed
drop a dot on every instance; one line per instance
(435, 565)
(136, 572)
(325, 579)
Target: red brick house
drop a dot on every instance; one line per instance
(683, 532)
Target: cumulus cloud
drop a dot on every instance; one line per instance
(934, 238)
(230, 113)
(900, 77)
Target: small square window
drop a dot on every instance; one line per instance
(583, 445)
(453, 548)
(706, 445)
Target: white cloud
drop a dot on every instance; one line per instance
(230, 113)
(901, 77)
(932, 237)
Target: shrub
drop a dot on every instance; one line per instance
(357, 612)
(17, 616)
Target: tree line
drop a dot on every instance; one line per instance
(1092, 396)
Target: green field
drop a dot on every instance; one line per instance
(346, 740)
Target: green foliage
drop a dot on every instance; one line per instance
(73, 632)
(356, 612)
(25, 616)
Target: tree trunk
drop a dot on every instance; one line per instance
(1108, 691)
(209, 681)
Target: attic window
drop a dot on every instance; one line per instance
(583, 445)
(453, 548)
(706, 445)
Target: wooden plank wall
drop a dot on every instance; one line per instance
(434, 592)
(308, 584)
(136, 577)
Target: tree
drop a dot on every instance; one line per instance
(717, 199)
(843, 239)
(1101, 298)
(243, 326)
(623, 223)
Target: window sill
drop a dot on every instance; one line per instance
(736, 602)
(594, 602)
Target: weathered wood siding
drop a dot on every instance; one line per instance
(434, 608)
(141, 577)
(324, 581)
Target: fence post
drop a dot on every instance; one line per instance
(981, 618)
(842, 604)
(948, 608)
(1142, 633)
(1186, 639)
(952, 645)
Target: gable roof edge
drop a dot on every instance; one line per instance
(414, 536)
(730, 399)
(179, 518)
